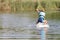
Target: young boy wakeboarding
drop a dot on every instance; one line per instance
(41, 18)
(42, 23)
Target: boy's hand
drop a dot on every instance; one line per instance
(37, 10)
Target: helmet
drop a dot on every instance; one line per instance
(42, 13)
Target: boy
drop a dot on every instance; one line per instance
(41, 16)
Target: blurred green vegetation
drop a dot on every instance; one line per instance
(28, 5)
(54, 15)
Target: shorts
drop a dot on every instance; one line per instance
(41, 19)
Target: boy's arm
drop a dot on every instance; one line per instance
(37, 10)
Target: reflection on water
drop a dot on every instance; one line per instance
(23, 26)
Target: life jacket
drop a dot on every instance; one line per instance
(41, 14)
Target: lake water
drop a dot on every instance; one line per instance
(21, 26)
